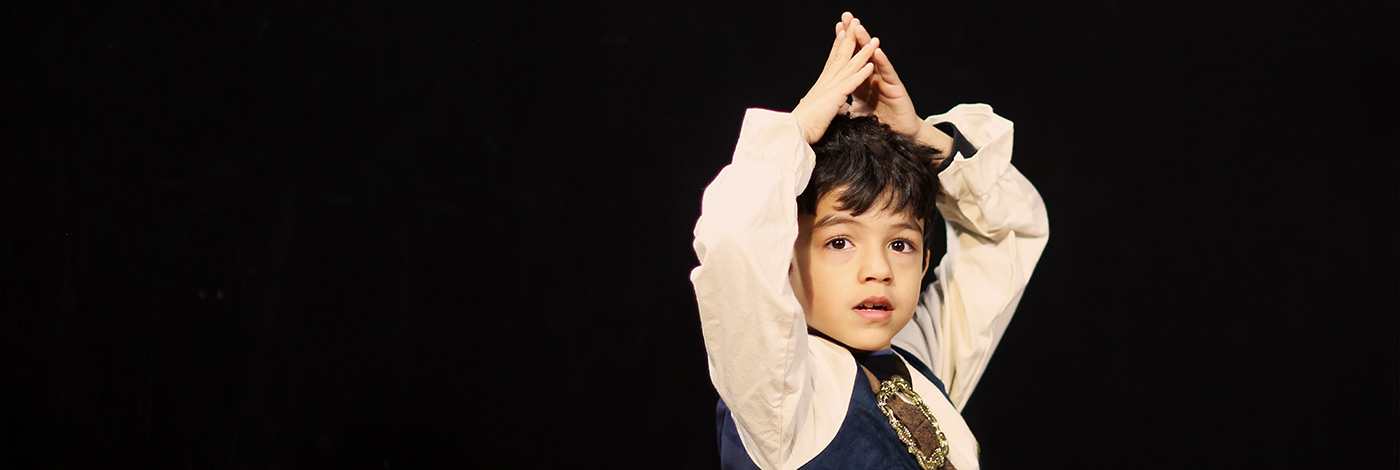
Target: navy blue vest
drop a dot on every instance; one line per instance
(865, 439)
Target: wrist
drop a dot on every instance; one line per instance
(932, 137)
(810, 132)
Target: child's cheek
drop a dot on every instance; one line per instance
(907, 261)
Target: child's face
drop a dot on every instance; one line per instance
(857, 277)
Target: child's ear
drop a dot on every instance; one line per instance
(926, 254)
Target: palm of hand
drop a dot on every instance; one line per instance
(846, 70)
(889, 102)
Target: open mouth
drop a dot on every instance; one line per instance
(875, 303)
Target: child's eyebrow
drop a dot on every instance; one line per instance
(839, 219)
(835, 219)
(910, 225)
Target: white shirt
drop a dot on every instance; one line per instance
(788, 391)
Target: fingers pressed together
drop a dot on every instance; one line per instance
(883, 67)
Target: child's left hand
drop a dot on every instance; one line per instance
(884, 96)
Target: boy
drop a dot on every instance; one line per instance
(812, 253)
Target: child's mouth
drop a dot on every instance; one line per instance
(875, 308)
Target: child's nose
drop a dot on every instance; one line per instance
(876, 268)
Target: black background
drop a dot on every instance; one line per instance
(414, 234)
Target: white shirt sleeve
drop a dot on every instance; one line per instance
(754, 329)
(997, 228)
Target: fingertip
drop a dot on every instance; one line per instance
(871, 45)
(883, 59)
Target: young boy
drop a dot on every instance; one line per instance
(812, 249)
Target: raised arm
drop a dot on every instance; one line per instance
(755, 334)
(997, 228)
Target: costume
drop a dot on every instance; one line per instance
(791, 398)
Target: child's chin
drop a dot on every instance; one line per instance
(869, 342)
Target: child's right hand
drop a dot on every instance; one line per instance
(840, 77)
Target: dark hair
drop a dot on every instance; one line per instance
(873, 162)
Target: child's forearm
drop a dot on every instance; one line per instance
(983, 193)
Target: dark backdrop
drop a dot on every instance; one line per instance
(413, 234)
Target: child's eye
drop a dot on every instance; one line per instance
(839, 244)
(902, 246)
